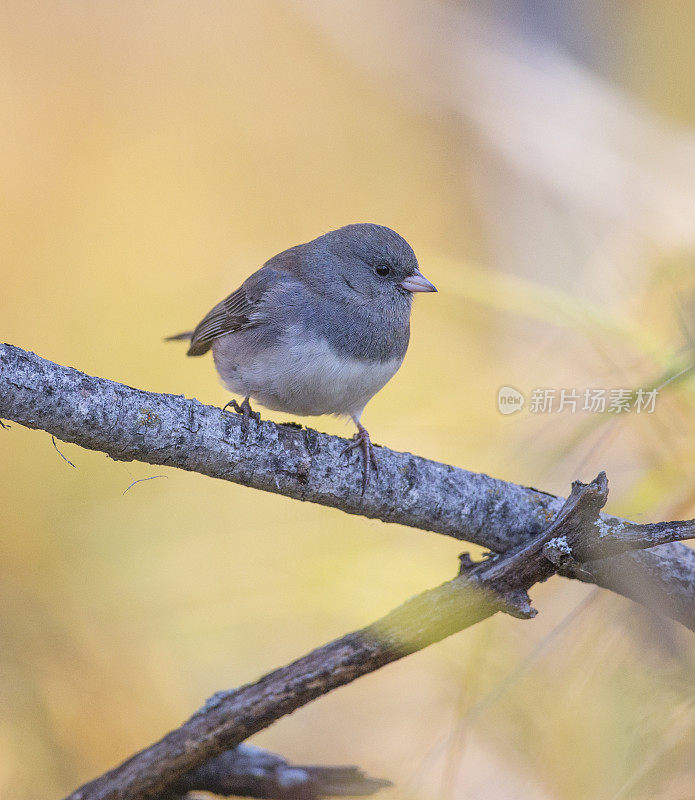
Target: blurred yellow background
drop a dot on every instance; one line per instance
(540, 158)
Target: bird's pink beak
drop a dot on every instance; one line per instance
(417, 283)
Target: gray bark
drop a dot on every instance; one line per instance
(131, 424)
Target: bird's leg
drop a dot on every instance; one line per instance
(361, 439)
(246, 412)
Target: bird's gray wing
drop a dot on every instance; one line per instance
(241, 309)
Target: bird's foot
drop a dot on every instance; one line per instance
(247, 413)
(361, 439)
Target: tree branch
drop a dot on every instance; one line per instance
(499, 583)
(478, 592)
(247, 771)
(130, 424)
(162, 429)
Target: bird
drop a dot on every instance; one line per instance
(319, 329)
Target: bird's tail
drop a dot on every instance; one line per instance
(180, 337)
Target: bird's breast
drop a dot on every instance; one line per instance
(306, 376)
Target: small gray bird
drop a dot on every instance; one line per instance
(319, 329)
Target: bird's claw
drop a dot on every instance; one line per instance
(247, 413)
(361, 439)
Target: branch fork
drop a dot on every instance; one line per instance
(481, 589)
(532, 535)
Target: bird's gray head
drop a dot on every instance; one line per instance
(364, 263)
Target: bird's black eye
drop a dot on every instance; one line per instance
(383, 270)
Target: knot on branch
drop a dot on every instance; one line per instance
(584, 504)
(558, 552)
(515, 602)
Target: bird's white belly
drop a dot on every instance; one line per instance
(307, 378)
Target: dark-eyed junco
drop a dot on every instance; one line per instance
(319, 329)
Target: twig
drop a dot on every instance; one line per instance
(247, 771)
(53, 439)
(615, 537)
(140, 480)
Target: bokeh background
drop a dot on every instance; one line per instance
(540, 157)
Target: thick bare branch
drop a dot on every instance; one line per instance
(130, 424)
